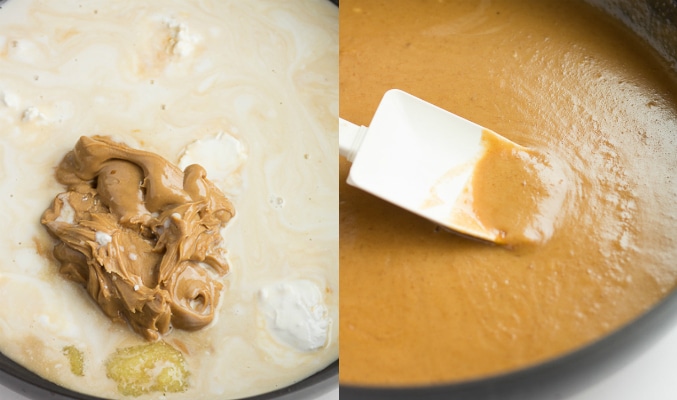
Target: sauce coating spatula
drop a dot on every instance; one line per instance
(419, 157)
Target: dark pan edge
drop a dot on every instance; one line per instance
(21, 380)
(554, 379)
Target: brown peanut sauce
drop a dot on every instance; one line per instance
(516, 191)
(588, 208)
(140, 235)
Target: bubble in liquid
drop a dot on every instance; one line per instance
(277, 201)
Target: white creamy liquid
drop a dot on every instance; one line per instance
(249, 89)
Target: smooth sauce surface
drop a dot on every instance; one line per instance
(419, 305)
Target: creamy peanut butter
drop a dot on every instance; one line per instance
(140, 235)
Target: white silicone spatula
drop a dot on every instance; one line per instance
(418, 157)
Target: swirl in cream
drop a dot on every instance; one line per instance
(140, 235)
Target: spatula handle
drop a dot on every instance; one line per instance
(350, 138)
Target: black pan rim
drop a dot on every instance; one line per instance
(564, 375)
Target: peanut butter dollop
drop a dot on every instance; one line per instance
(140, 235)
